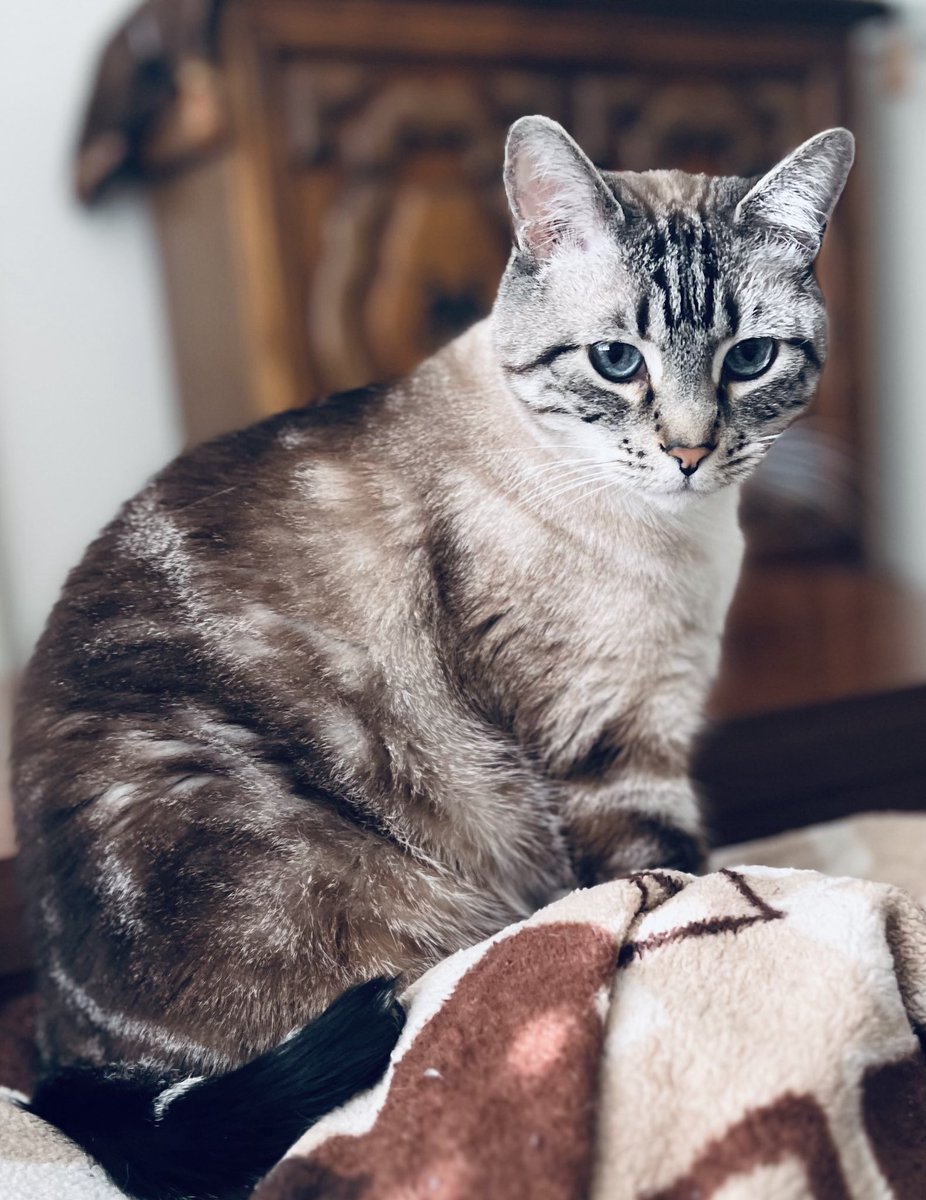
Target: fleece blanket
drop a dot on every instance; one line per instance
(753, 1034)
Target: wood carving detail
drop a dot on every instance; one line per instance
(721, 126)
(402, 217)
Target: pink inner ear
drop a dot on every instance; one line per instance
(540, 198)
(556, 193)
(552, 207)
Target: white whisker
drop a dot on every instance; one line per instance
(554, 493)
(610, 483)
(566, 462)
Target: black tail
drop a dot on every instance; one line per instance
(213, 1139)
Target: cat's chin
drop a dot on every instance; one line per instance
(687, 492)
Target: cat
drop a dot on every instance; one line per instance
(340, 694)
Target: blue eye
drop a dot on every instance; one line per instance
(617, 361)
(750, 358)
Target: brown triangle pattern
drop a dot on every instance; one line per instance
(496, 1095)
(759, 912)
(792, 1127)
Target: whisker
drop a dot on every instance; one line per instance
(209, 496)
(743, 458)
(541, 480)
(539, 486)
(563, 463)
(550, 494)
(548, 489)
(609, 484)
(526, 449)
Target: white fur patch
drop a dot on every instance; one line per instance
(163, 1101)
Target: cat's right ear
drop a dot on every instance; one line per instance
(555, 193)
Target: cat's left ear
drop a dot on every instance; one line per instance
(555, 193)
(797, 198)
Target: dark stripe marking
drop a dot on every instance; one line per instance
(709, 260)
(660, 279)
(542, 360)
(732, 309)
(643, 317)
(662, 283)
(808, 348)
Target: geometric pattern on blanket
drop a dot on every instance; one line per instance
(753, 1034)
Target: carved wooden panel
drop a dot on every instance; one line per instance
(718, 123)
(401, 220)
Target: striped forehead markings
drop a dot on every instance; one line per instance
(685, 271)
(643, 316)
(709, 259)
(732, 309)
(659, 276)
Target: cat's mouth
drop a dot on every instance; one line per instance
(700, 485)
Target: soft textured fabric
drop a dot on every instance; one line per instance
(39, 1163)
(749, 1035)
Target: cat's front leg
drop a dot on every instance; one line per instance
(632, 824)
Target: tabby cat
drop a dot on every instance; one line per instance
(339, 694)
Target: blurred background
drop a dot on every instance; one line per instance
(213, 210)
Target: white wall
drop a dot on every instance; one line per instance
(87, 404)
(86, 391)
(894, 152)
(7, 837)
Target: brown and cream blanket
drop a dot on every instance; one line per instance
(749, 1035)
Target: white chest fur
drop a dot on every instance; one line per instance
(621, 611)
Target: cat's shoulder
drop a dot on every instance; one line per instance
(271, 449)
(329, 423)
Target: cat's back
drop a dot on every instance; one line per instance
(247, 564)
(254, 506)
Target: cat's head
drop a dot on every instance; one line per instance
(666, 326)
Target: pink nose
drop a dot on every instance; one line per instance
(689, 457)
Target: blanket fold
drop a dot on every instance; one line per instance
(750, 1034)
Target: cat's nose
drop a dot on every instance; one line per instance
(689, 457)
